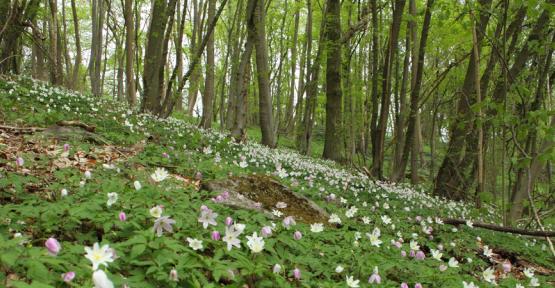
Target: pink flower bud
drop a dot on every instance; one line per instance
(420, 255)
(297, 235)
(19, 161)
(288, 221)
(216, 235)
(225, 195)
(228, 221)
(165, 155)
(297, 273)
(276, 269)
(68, 276)
(66, 147)
(219, 199)
(266, 231)
(198, 176)
(507, 266)
(417, 285)
(404, 285)
(403, 253)
(418, 218)
(53, 246)
(412, 253)
(173, 275)
(204, 208)
(122, 216)
(375, 278)
(442, 267)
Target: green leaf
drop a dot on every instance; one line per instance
(37, 271)
(137, 250)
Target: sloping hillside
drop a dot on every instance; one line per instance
(65, 186)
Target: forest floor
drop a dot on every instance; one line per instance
(82, 170)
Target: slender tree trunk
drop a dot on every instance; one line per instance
(209, 89)
(313, 74)
(448, 179)
(291, 101)
(38, 55)
(67, 60)
(301, 140)
(527, 175)
(195, 39)
(56, 74)
(256, 26)
(11, 30)
(76, 83)
(480, 160)
(238, 130)
(401, 118)
(375, 60)
(379, 140)
(95, 59)
(415, 94)
(130, 90)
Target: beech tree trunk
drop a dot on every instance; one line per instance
(256, 27)
(209, 89)
(95, 60)
(332, 142)
(56, 66)
(76, 83)
(130, 90)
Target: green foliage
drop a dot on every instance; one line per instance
(83, 218)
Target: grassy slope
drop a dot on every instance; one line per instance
(144, 260)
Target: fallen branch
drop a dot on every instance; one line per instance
(21, 129)
(77, 124)
(457, 222)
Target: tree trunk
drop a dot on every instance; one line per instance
(379, 139)
(209, 90)
(76, 83)
(67, 60)
(333, 149)
(95, 59)
(375, 60)
(240, 89)
(527, 175)
(130, 90)
(291, 101)
(449, 179)
(195, 41)
(11, 29)
(303, 133)
(154, 56)
(415, 94)
(56, 74)
(256, 26)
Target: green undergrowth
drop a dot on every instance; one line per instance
(135, 145)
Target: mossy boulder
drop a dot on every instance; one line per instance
(262, 193)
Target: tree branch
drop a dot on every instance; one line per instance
(492, 227)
